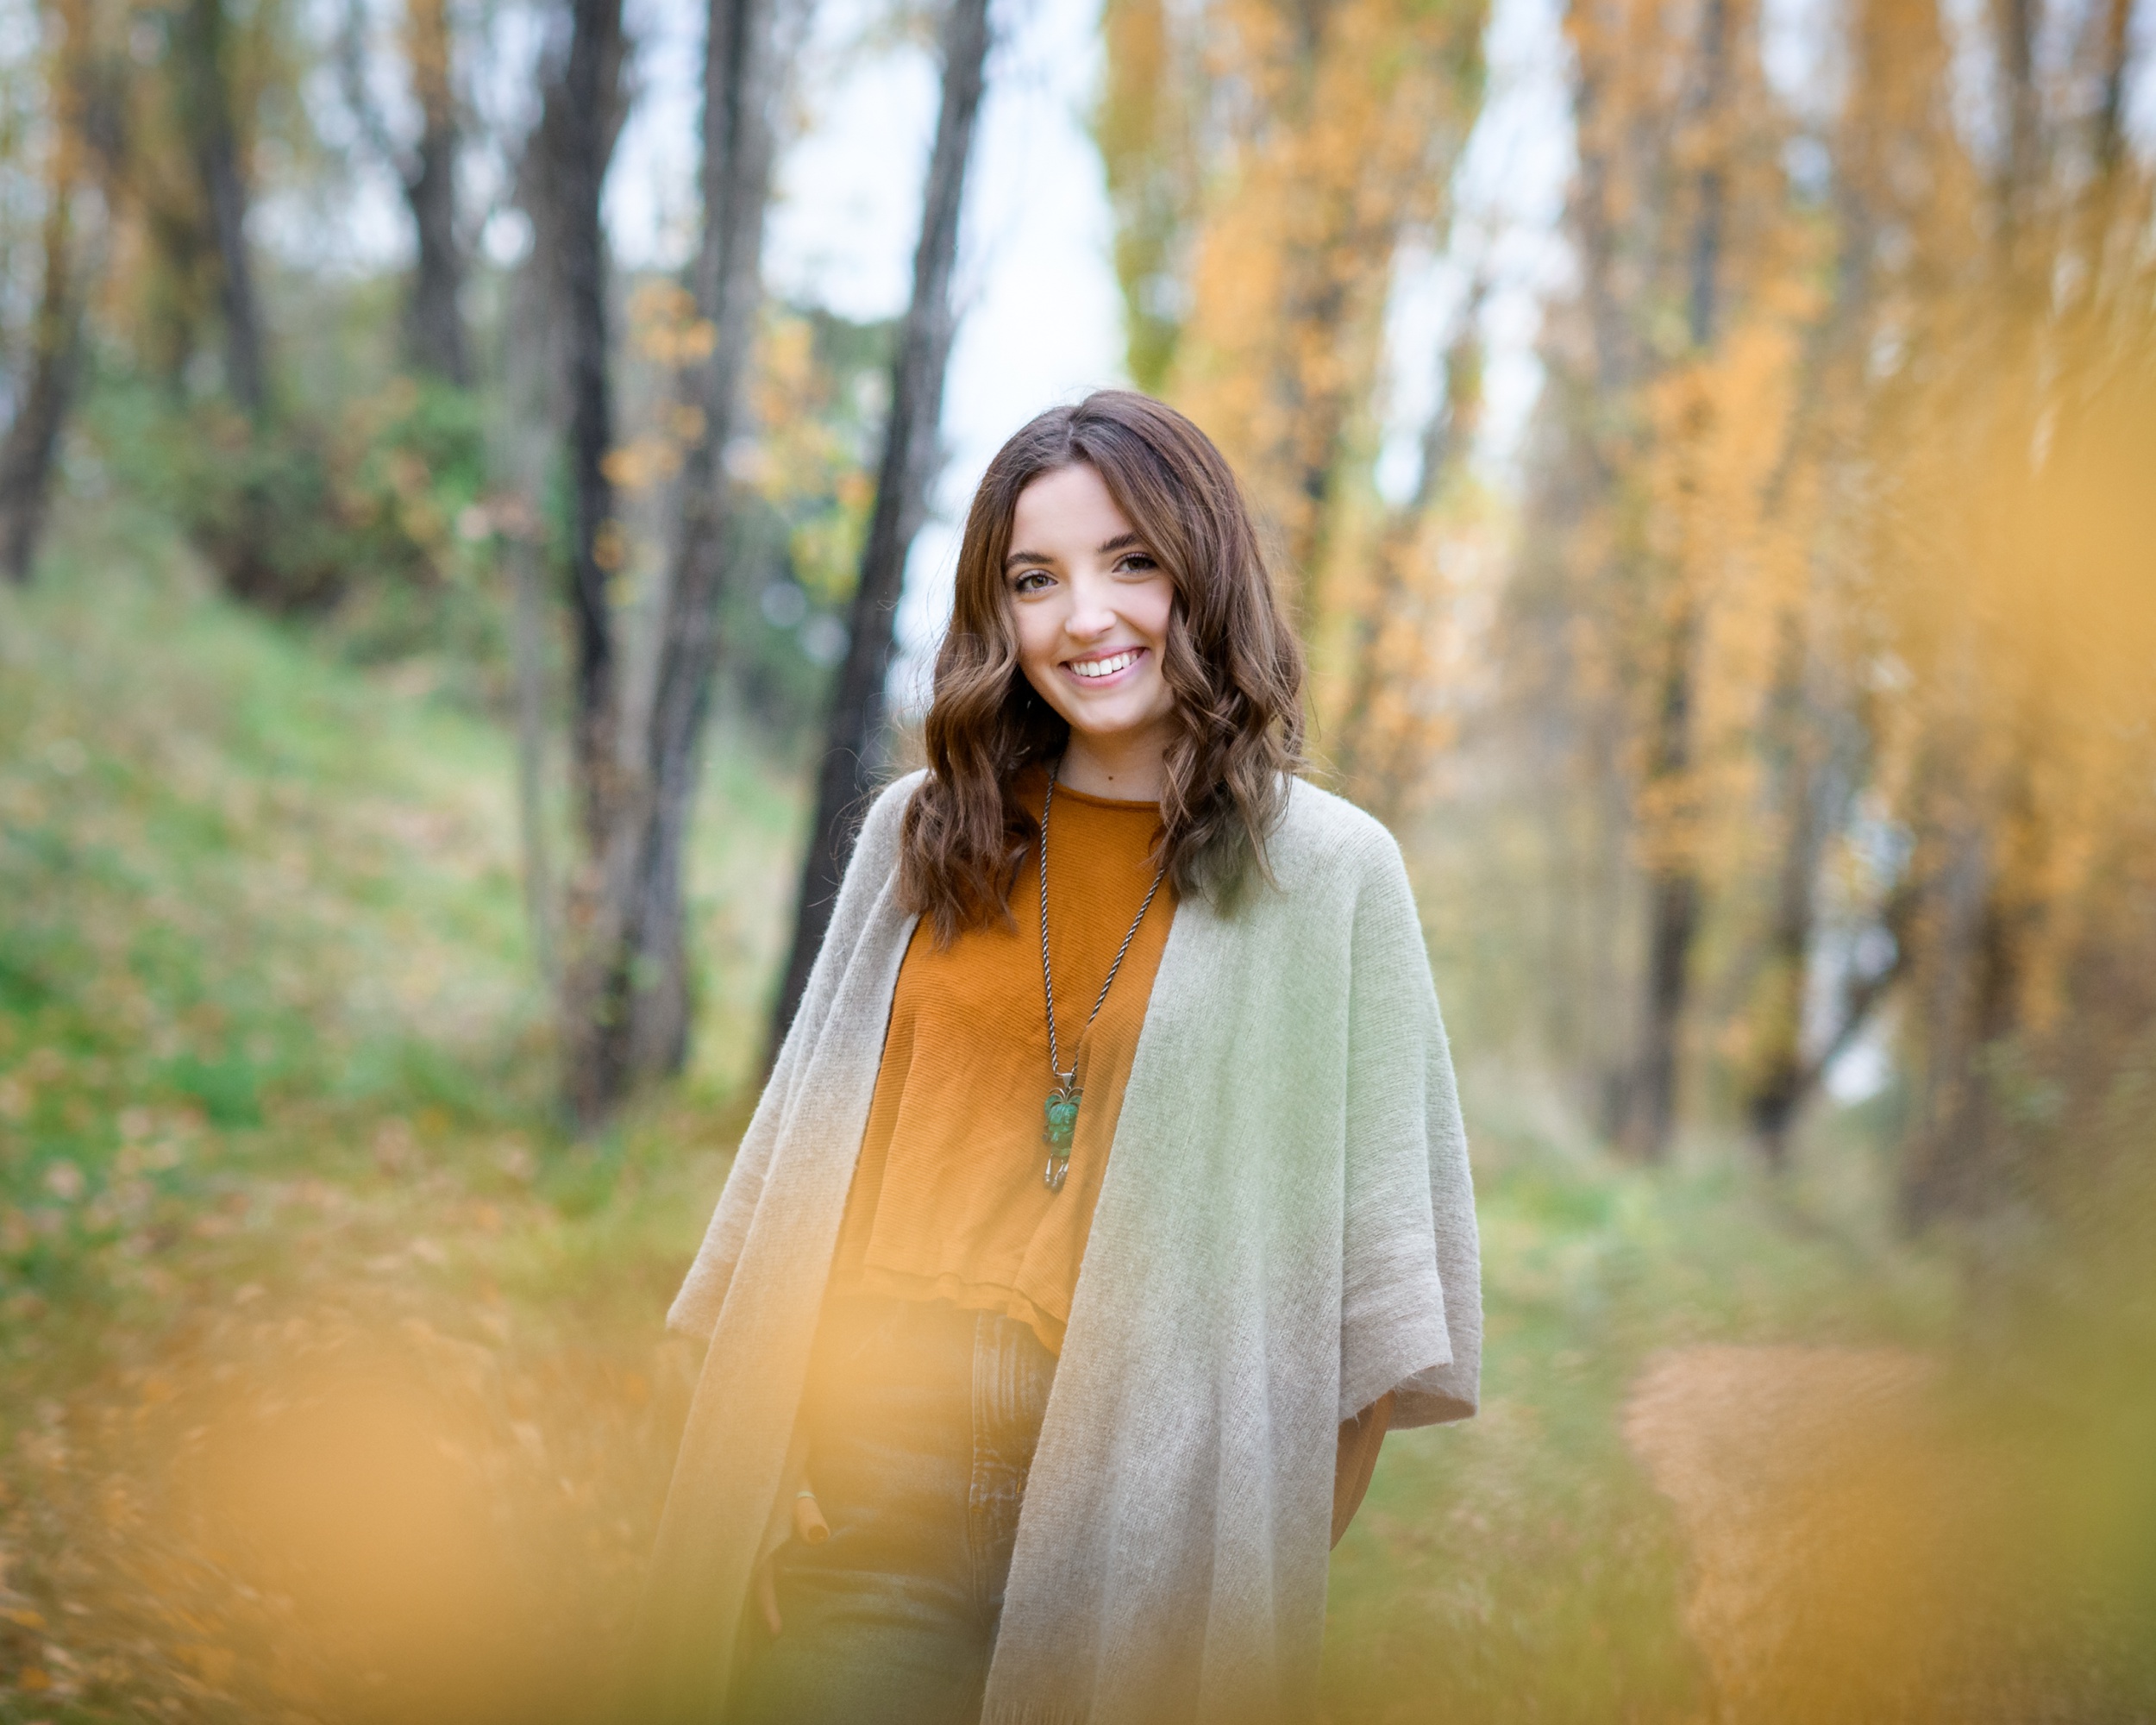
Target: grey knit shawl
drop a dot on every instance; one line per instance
(1286, 1231)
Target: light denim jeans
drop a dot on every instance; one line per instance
(922, 1422)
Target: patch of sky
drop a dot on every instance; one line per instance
(1508, 200)
(1802, 52)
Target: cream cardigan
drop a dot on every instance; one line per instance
(1285, 1232)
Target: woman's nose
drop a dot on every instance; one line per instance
(1088, 616)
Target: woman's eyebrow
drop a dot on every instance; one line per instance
(1122, 542)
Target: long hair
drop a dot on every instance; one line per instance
(1230, 657)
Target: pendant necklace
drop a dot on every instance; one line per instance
(1062, 1106)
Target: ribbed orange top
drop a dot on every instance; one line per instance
(948, 1200)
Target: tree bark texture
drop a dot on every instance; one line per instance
(527, 599)
(566, 164)
(2017, 23)
(31, 447)
(577, 140)
(1674, 888)
(534, 386)
(630, 953)
(1815, 746)
(1778, 1079)
(434, 322)
(1978, 872)
(206, 98)
(532, 380)
(2116, 58)
(1673, 915)
(911, 457)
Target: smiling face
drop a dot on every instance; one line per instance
(1090, 606)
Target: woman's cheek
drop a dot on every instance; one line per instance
(1036, 657)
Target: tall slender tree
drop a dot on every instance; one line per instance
(1675, 887)
(627, 995)
(434, 319)
(576, 123)
(852, 744)
(202, 73)
(435, 339)
(1148, 146)
(564, 176)
(1341, 124)
(1814, 742)
(31, 445)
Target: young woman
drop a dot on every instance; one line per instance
(1108, 1200)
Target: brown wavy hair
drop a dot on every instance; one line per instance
(1230, 657)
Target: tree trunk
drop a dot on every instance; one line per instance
(527, 600)
(2116, 57)
(748, 47)
(1816, 788)
(434, 322)
(1953, 1164)
(578, 142)
(29, 452)
(1778, 1080)
(626, 985)
(2017, 23)
(206, 98)
(1984, 907)
(534, 385)
(1673, 887)
(577, 130)
(1673, 910)
(1149, 158)
(851, 750)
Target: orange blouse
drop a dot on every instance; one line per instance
(948, 1200)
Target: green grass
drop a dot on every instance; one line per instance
(1519, 1566)
(277, 1146)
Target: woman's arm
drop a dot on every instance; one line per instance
(1361, 1438)
(1411, 1293)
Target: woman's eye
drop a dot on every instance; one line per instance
(1137, 563)
(1032, 581)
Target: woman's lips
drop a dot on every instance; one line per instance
(1104, 670)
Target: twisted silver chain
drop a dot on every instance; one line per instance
(1048, 980)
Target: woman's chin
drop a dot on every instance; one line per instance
(1119, 727)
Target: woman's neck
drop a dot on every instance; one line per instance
(1132, 769)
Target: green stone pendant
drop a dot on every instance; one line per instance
(1061, 1111)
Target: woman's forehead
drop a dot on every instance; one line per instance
(1067, 512)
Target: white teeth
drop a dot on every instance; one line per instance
(1105, 668)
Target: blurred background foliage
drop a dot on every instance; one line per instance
(1770, 734)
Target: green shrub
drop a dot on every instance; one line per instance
(369, 511)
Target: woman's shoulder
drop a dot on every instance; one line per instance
(874, 857)
(887, 814)
(1321, 834)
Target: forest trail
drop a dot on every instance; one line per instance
(1863, 1543)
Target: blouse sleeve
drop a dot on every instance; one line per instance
(1411, 1296)
(1356, 1459)
(696, 1307)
